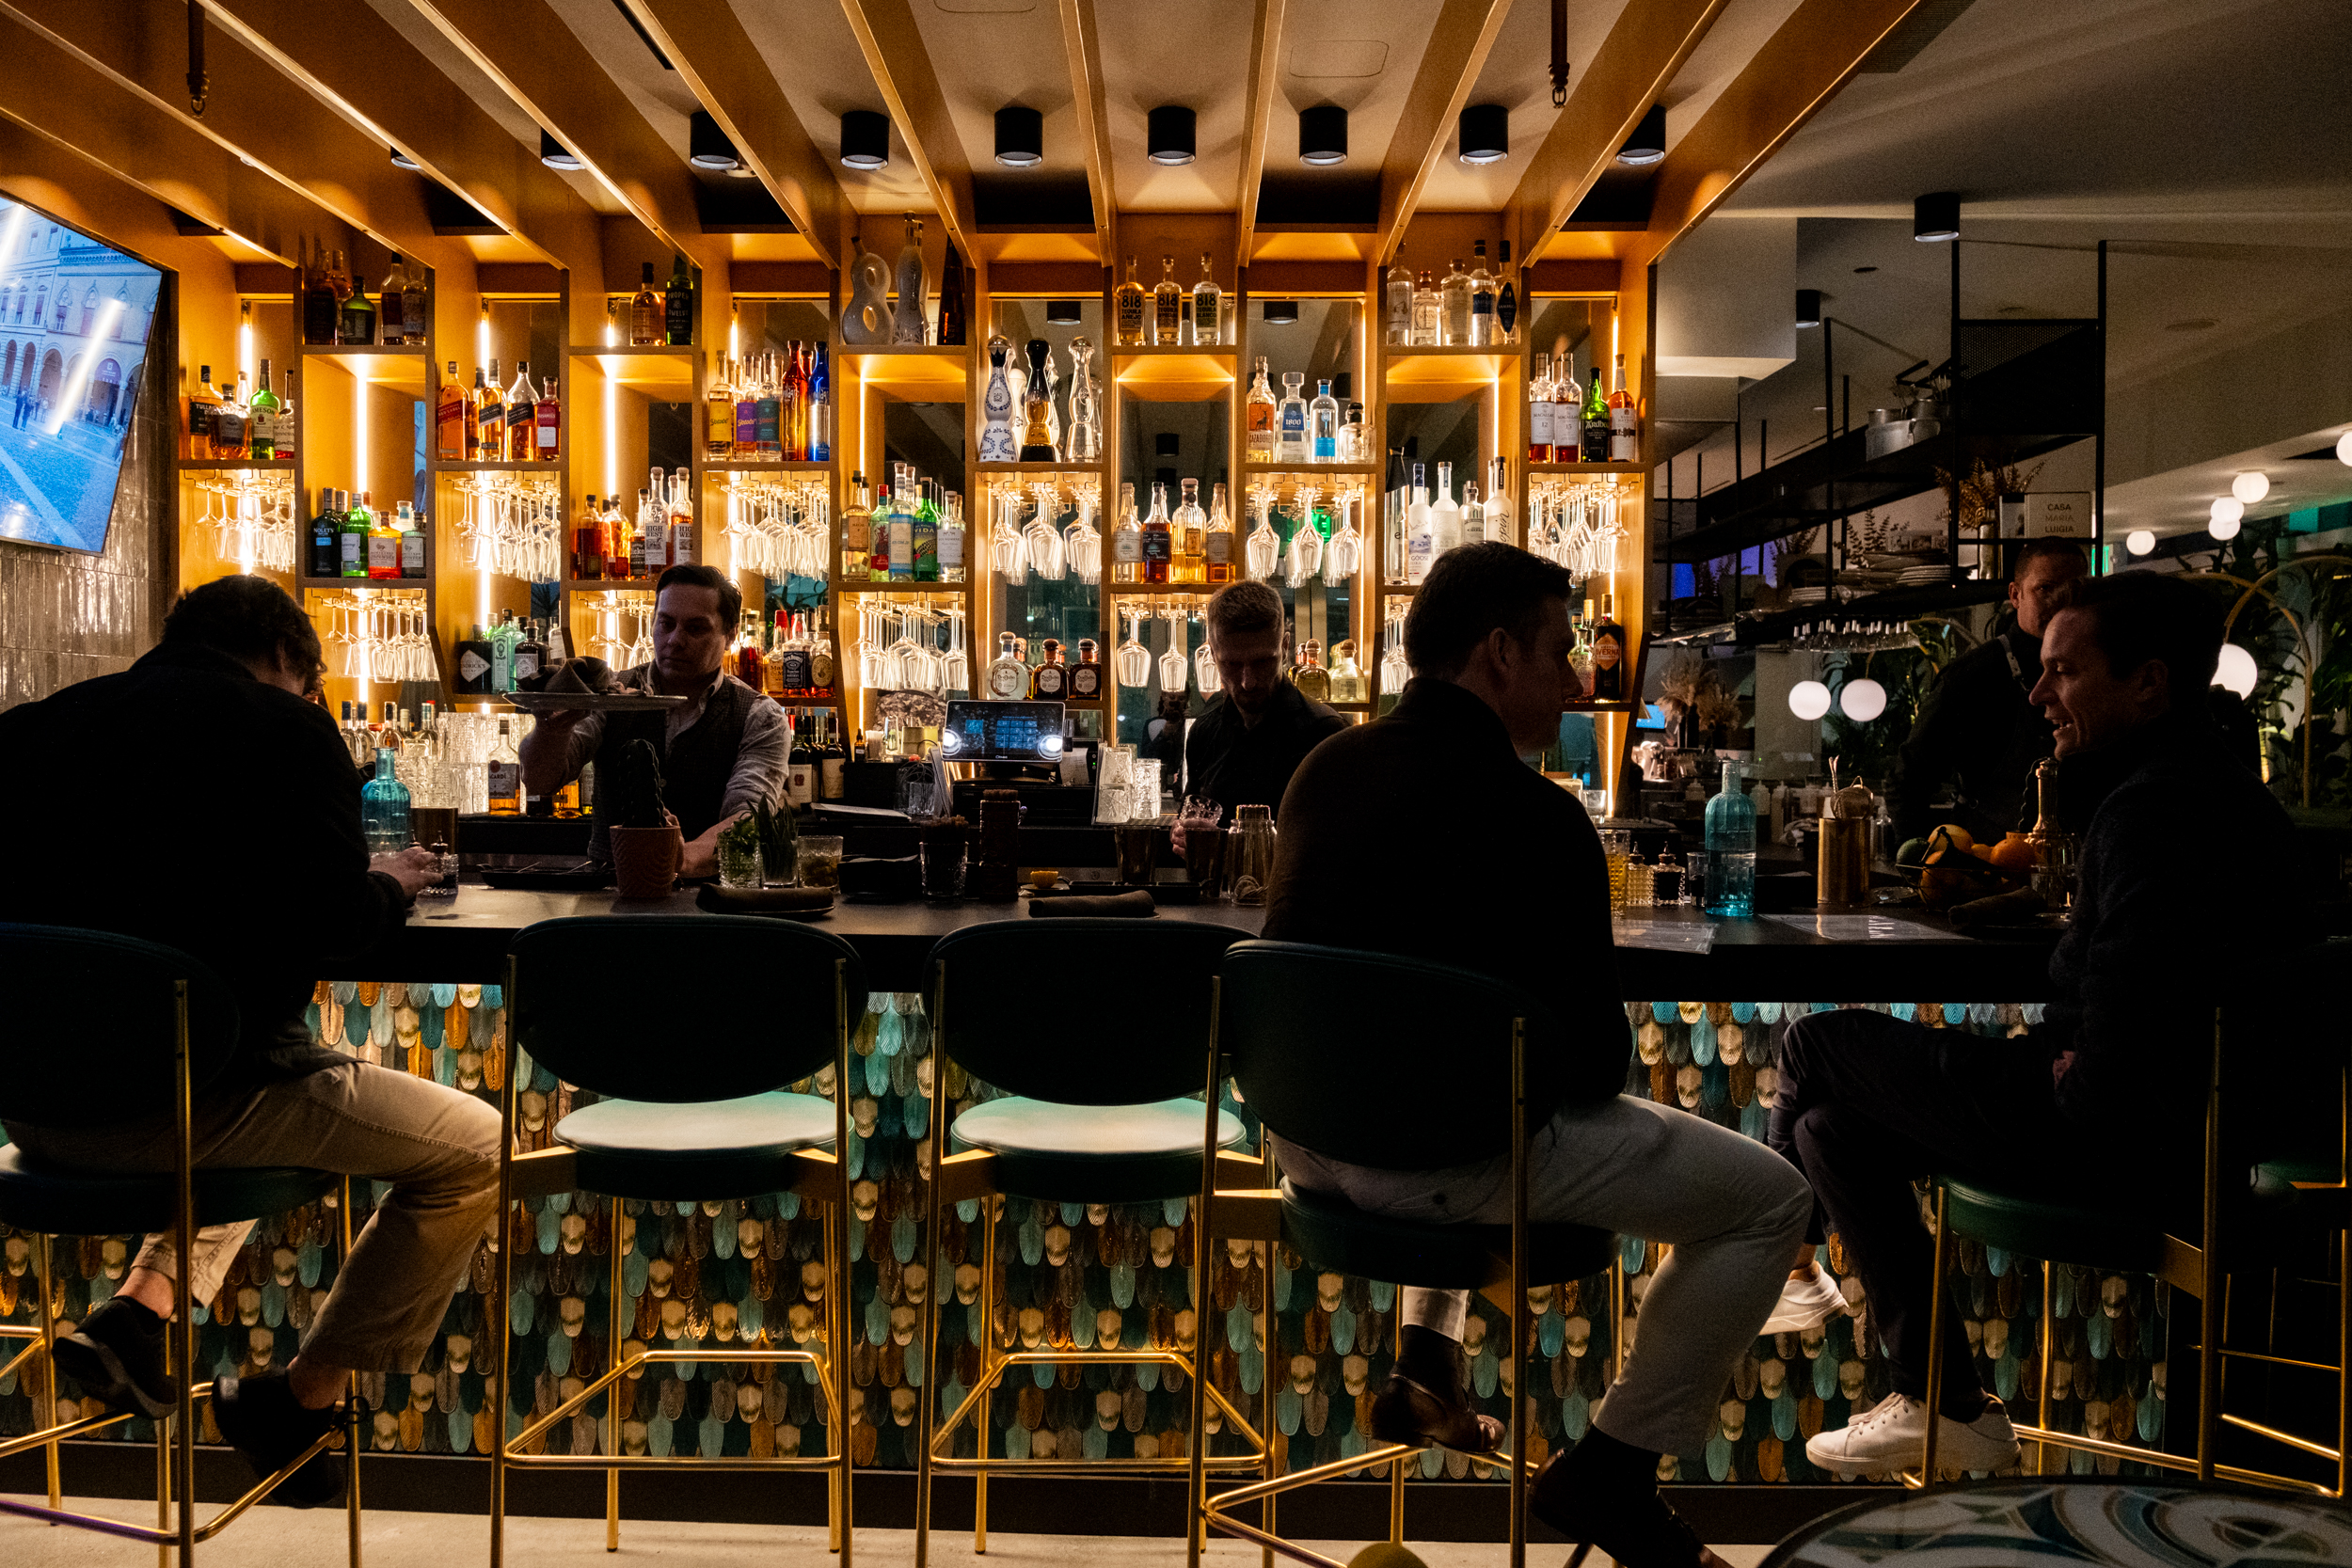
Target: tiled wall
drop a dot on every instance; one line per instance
(65, 618)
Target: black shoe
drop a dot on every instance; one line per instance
(1410, 1411)
(117, 1356)
(1631, 1524)
(259, 1416)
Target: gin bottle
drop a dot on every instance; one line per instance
(1398, 327)
(1731, 850)
(1482, 298)
(1454, 301)
(1425, 312)
(383, 806)
(1289, 441)
(1323, 420)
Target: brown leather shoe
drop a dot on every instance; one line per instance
(1408, 1412)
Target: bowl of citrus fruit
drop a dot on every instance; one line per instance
(1953, 867)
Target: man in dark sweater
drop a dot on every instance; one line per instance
(248, 856)
(1424, 833)
(2169, 902)
(1243, 750)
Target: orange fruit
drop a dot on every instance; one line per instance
(2013, 853)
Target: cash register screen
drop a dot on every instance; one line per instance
(1011, 732)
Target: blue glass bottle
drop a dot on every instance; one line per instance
(1731, 849)
(384, 809)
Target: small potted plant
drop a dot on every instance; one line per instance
(646, 845)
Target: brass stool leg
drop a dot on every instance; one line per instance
(351, 1411)
(48, 1364)
(1396, 1467)
(989, 1218)
(612, 1395)
(2041, 1402)
(837, 1347)
(162, 1488)
(1935, 1342)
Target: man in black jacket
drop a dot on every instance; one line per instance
(1434, 803)
(1243, 750)
(1977, 728)
(237, 840)
(2163, 912)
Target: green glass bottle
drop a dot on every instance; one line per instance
(1595, 438)
(351, 536)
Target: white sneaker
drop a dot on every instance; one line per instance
(1892, 1436)
(1804, 1304)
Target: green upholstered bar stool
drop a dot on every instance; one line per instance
(1334, 1050)
(694, 1029)
(170, 1029)
(1122, 1125)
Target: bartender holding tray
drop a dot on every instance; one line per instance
(723, 750)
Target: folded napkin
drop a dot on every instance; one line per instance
(771, 900)
(585, 674)
(1111, 906)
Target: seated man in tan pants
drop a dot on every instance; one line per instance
(269, 883)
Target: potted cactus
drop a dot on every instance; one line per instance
(646, 845)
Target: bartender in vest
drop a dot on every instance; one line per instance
(1976, 729)
(723, 751)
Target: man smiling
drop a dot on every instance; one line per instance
(2169, 903)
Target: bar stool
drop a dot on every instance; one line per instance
(1119, 1128)
(697, 1074)
(1322, 1043)
(171, 1030)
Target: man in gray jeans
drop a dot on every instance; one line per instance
(277, 888)
(1434, 796)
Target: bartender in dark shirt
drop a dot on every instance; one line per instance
(1976, 728)
(1243, 750)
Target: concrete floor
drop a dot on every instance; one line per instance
(292, 1538)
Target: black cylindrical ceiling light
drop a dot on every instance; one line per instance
(1808, 306)
(1163, 444)
(1935, 217)
(1020, 136)
(1169, 139)
(1281, 312)
(1647, 144)
(1063, 312)
(1485, 133)
(865, 139)
(555, 154)
(402, 160)
(708, 147)
(1322, 136)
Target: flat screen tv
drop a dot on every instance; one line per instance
(76, 319)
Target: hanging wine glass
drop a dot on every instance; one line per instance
(1134, 660)
(955, 665)
(1082, 546)
(1345, 549)
(1306, 552)
(900, 653)
(1264, 546)
(1007, 548)
(1043, 540)
(1174, 667)
(1205, 673)
(922, 656)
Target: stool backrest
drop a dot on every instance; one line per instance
(1082, 1012)
(1370, 1058)
(91, 1026)
(679, 1009)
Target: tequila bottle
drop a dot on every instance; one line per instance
(1191, 530)
(1419, 541)
(910, 317)
(1127, 311)
(1425, 312)
(1037, 434)
(1347, 678)
(1323, 422)
(1167, 306)
(997, 438)
(1158, 538)
(1008, 677)
(1083, 442)
(1454, 297)
(1218, 542)
(1050, 681)
(1086, 676)
(1258, 418)
(1290, 440)
(1208, 309)
(1399, 325)
(1312, 680)
(1127, 540)
(1482, 298)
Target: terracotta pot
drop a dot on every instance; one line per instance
(645, 861)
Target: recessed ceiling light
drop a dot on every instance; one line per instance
(1860, 270)
(1063, 312)
(1322, 136)
(2195, 324)
(865, 139)
(402, 160)
(1020, 136)
(707, 146)
(1647, 145)
(1808, 306)
(1281, 312)
(1483, 130)
(1935, 217)
(556, 155)
(1168, 136)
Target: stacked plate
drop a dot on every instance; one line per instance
(1911, 577)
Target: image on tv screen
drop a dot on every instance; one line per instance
(76, 317)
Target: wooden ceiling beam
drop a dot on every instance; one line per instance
(1631, 71)
(538, 61)
(57, 95)
(1266, 60)
(1082, 41)
(1458, 47)
(350, 58)
(140, 48)
(902, 70)
(711, 51)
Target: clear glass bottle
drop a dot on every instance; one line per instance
(1425, 312)
(1567, 412)
(1167, 306)
(1506, 299)
(1445, 516)
(1128, 311)
(1008, 677)
(1539, 410)
(1455, 295)
(952, 538)
(1290, 425)
(1191, 528)
(1312, 680)
(857, 530)
(902, 527)
(997, 444)
(1419, 544)
(1257, 412)
(1398, 327)
(1208, 309)
(1624, 436)
(505, 777)
(1322, 423)
(645, 310)
(1482, 298)
(1127, 540)
(1159, 543)
(910, 317)
(1731, 850)
(1216, 543)
(1347, 678)
(1473, 515)
(1082, 441)
(383, 805)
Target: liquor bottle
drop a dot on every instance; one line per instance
(449, 419)
(1426, 312)
(411, 531)
(378, 546)
(677, 304)
(1506, 300)
(1082, 442)
(351, 538)
(997, 442)
(1322, 423)
(1167, 306)
(1473, 515)
(1731, 849)
(520, 412)
(1086, 676)
(1454, 302)
(412, 305)
(680, 550)
(1190, 527)
(505, 777)
(384, 808)
(1008, 677)
(902, 527)
(1418, 542)
(489, 416)
(289, 423)
(718, 414)
(878, 551)
(1499, 504)
(820, 400)
(531, 656)
(952, 283)
(1127, 311)
(1567, 412)
(910, 289)
(1482, 298)
(355, 323)
(1399, 294)
(1050, 681)
(1607, 654)
(1289, 421)
(319, 304)
(1258, 418)
(325, 559)
(1216, 539)
(824, 667)
(548, 415)
(1395, 498)
(392, 317)
(1625, 437)
(1127, 539)
(1312, 680)
(203, 403)
(951, 539)
(1208, 309)
(767, 415)
(262, 420)
(857, 530)
(588, 542)
(1581, 649)
(644, 309)
(832, 774)
(1594, 443)
(648, 537)
(1037, 436)
(1539, 410)
(746, 441)
(792, 407)
(1347, 678)
(1445, 517)
(1158, 542)
(793, 656)
(923, 533)
(229, 423)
